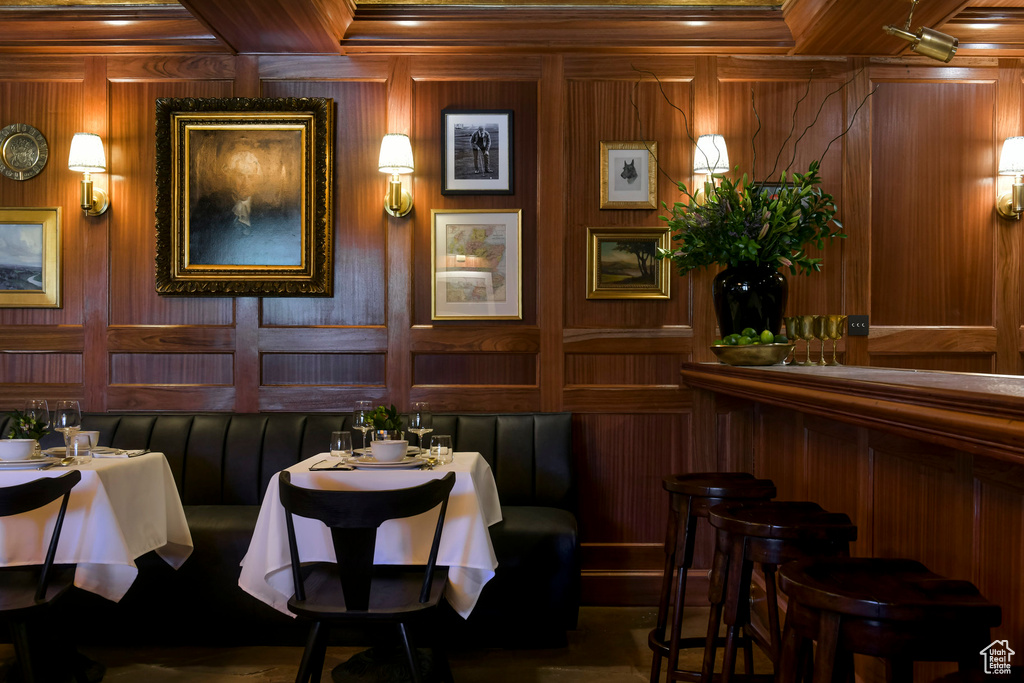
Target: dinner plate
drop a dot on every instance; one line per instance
(405, 463)
(30, 464)
(411, 450)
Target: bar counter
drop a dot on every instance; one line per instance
(929, 465)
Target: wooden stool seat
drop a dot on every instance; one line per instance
(766, 533)
(690, 497)
(891, 608)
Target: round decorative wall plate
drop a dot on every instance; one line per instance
(23, 151)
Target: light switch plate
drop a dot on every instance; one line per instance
(857, 326)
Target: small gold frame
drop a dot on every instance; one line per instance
(627, 282)
(645, 195)
(446, 264)
(48, 221)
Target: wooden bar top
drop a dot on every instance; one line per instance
(976, 413)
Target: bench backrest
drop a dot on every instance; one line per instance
(225, 458)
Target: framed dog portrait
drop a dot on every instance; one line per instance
(623, 263)
(477, 151)
(629, 175)
(30, 263)
(476, 267)
(243, 202)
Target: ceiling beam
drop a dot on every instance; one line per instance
(854, 27)
(276, 26)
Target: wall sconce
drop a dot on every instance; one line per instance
(396, 158)
(927, 41)
(710, 157)
(1011, 162)
(87, 156)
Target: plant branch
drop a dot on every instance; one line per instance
(753, 147)
(782, 147)
(852, 120)
(643, 138)
(821, 107)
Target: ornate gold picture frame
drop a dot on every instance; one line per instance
(30, 258)
(622, 263)
(244, 196)
(629, 175)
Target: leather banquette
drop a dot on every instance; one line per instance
(222, 463)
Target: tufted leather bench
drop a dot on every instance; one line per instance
(222, 463)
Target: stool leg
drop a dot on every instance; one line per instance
(716, 596)
(683, 560)
(748, 652)
(737, 603)
(828, 642)
(658, 634)
(787, 669)
(772, 595)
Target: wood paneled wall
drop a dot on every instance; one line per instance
(915, 177)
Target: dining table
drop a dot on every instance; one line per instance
(125, 505)
(465, 546)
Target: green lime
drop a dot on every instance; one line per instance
(744, 341)
(732, 339)
(767, 337)
(748, 332)
(781, 339)
(718, 342)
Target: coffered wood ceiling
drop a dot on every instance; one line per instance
(779, 27)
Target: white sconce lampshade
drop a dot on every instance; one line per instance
(711, 155)
(1011, 161)
(395, 154)
(87, 154)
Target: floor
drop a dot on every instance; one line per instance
(610, 646)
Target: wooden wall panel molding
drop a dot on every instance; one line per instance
(625, 68)
(178, 397)
(206, 369)
(946, 362)
(997, 568)
(741, 68)
(932, 339)
(612, 399)
(625, 369)
(41, 368)
(184, 67)
(96, 252)
(1009, 257)
(323, 369)
(39, 338)
(304, 399)
(856, 211)
(458, 67)
(260, 26)
(469, 369)
(497, 399)
(170, 339)
(326, 68)
(484, 339)
(323, 339)
(42, 68)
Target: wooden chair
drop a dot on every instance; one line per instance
(26, 592)
(354, 589)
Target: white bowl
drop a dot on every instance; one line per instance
(16, 449)
(389, 451)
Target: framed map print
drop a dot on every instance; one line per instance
(476, 268)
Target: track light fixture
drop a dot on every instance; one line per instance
(927, 41)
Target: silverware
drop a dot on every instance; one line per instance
(337, 466)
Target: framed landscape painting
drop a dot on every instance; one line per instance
(30, 263)
(629, 175)
(622, 263)
(477, 151)
(476, 266)
(244, 196)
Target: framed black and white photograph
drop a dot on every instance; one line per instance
(244, 196)
(623, 263)
(477, 151)
(629, 175)
(475, 265)
(30, 265)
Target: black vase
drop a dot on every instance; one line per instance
(749, 296)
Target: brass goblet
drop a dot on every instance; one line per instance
(836, 328)
(805, 331)
(821, 334)
(792, 328)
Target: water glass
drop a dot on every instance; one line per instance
(341, 445)
(82, 445)
(441, 449)
(68, 420)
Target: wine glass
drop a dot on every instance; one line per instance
(37, 409)
(821, 334)
(341, 445)
(67, 419)
(805, 331)
(361, 418)
(793, 333)
(836, 329)
(421, 421)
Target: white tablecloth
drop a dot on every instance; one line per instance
(465, 542)
(121, 509)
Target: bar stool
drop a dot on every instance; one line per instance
(767, 534)
(890, 608)
(690, 496)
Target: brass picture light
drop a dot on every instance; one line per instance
(927, 41)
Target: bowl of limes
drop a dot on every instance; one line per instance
(751, 347)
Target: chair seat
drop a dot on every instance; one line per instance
(787, 520)
(394, 594)
(20, 584)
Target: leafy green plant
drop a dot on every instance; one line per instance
(385, 418)
(23, 427)
(745, 223)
